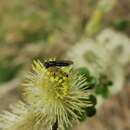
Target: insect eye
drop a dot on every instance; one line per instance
(67, 75)
(46, 64)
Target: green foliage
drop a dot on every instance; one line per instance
(121, 24)
(101, 85)
(90, 111)
(90, 79)
(8, 72)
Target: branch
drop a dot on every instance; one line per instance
(55, 126)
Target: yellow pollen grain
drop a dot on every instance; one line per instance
(65, 90)
(48, 73)
(64, 78)
(59, 96)
(60, 80)
(57, 78)
(52, 79)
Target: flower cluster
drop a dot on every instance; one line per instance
(105, 57)
(55, 97)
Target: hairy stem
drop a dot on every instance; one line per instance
(55, 126)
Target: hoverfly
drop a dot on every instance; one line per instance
(57, 63)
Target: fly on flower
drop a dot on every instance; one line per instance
(56, 95)
(57, 63)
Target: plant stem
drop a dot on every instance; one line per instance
(55, 126)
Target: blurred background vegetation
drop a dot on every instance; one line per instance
(31, 29)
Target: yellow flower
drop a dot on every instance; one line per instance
(55, 97)
(58, 92)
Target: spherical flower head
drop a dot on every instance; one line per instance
(117, 43)
(107, 55)
(59, 92)
(90, 55)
